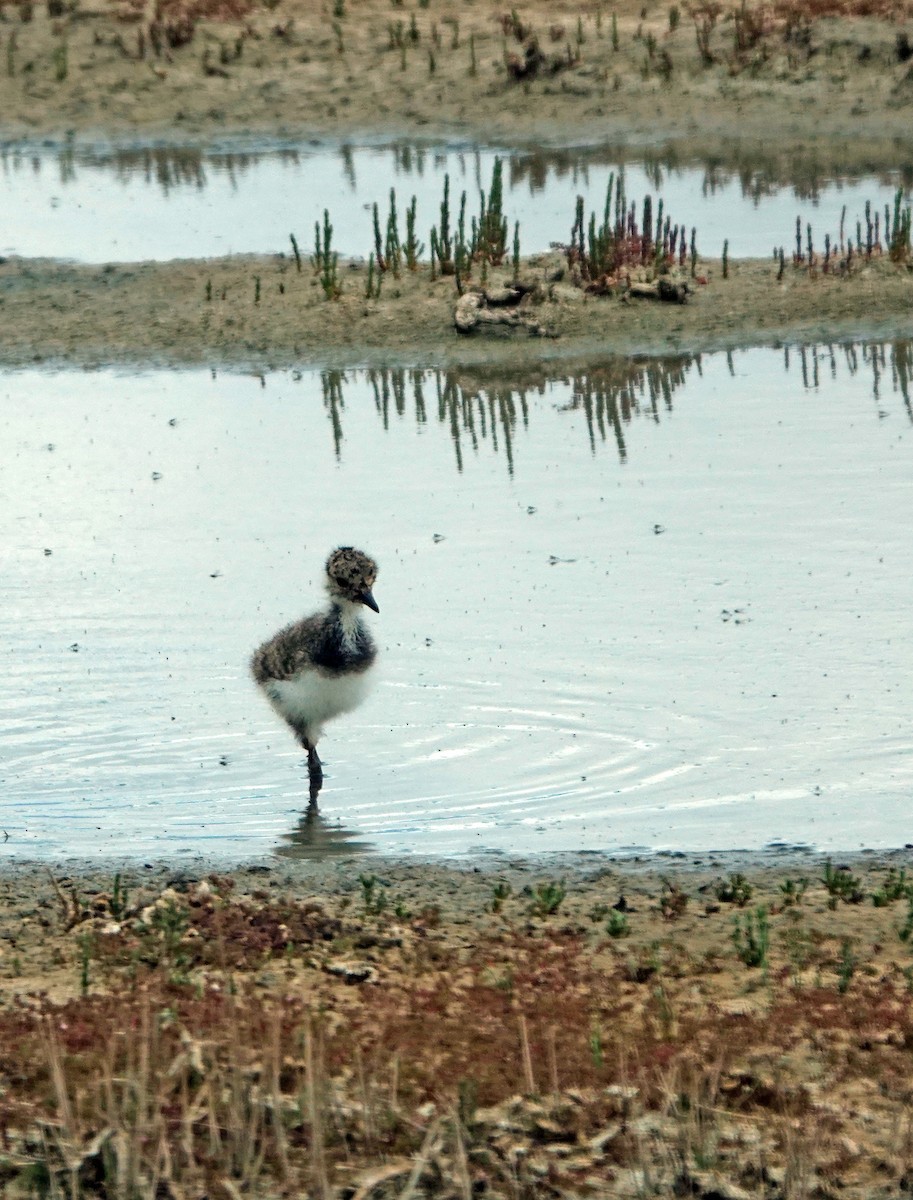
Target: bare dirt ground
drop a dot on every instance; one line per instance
(371, 1029)
(362, 1029)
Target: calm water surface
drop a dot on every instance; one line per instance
(661, 604)
(130, 205)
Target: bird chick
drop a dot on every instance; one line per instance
(319, 667)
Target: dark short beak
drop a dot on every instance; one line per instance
(367, 598)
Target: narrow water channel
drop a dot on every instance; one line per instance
(124, 205)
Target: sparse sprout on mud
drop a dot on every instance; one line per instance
(895, 887)
(442, 234)
(412, 247)
(618, 926)
(751, 937)
(296, 252)
(547, 898)
(596, 1051)
(734, 890)
(847, 966)
(372, 286)
(85, 957)
(373, 894)
(61, 62)
(499, 893)
(792, 891)
(899, 246)
(905, 932)
(118, 903)
(395, 34)
(798, 946)
(841, 884)
(325, 260)
(392, 246)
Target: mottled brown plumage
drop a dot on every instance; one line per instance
(316, 668)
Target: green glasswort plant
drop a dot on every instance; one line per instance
(847, 966)
(618, 925)
(412, 247)
(734, 890)
(325, 260)
(792, 891)
(547, 898)
(373, 894)
(841, 884)
(894, 887)
(296, 252)
(751, 937)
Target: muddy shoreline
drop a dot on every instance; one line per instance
(256, 313)
(836, 86)
(712, 1029)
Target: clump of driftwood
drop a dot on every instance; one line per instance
(673, 291)
(498, 310)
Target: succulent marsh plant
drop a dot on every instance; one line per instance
(325, 260)
(895, 886)
(547, 898)
(792, 891)
(751, 937)
(841, 884)
(734, 890)
(618, 925)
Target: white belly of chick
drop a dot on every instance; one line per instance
(310, 699)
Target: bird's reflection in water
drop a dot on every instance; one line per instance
(316, 837)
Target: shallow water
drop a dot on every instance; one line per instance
(659, 605)
(159, 203)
